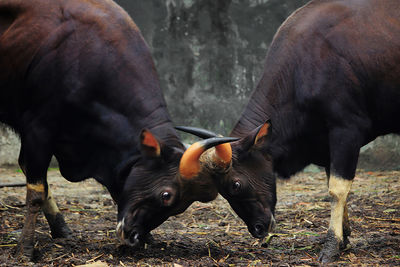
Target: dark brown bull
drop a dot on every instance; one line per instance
(77, 81)
(331, 85)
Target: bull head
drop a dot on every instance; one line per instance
(248, 182)
(163, 182)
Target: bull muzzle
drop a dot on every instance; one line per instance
(261, 229)
(131, 238)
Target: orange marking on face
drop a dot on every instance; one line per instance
(262, 132)
(189, 165)
(150, 141)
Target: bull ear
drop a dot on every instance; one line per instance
(257, 137)
(149, 144)
(262, 133)
(189, 165)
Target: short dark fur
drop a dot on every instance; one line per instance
(331, 85)
(77, 81)
(332, 69)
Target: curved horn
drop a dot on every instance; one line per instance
(196, 131)
(189, 165)
(223, 155)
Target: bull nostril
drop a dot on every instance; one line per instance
(258, 228)
(134, 238)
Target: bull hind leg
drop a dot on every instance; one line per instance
(34, 198)
(336, 239)
(346, 227)
(34, 164)
(346, 223)
(56, 221)
(344, 146)
(39, 197)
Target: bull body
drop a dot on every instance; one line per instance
(331, 85)
(78, 87)
(77, 81)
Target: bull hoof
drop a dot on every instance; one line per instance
(331, 249)
(58, 227)
(345, 244)
(24, 252)
(62, 232)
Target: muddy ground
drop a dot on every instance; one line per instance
(211, 234)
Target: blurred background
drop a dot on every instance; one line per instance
(209, 55)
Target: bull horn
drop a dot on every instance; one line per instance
(197, 131)
(223, 155)
(189, 165)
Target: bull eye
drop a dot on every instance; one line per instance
(236, 186)
(166, 197)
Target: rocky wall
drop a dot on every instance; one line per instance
(209, 55)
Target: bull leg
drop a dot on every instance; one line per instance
(39, 198)
(346, 223)
(34, 163)
(54, 217)
(336, 239)
(345, 147)
(34, 198)
(346, 227)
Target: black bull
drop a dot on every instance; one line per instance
(77, 81)
(331, 85)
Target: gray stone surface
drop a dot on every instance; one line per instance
(209, 55)
(9, 146)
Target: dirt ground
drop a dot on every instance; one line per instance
(210, 234)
